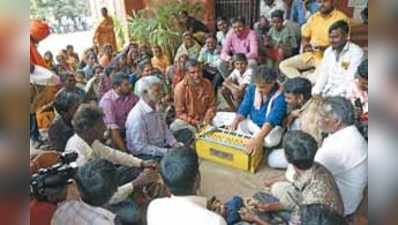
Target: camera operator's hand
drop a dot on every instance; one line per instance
(146, 177)
(44, 160)
(72, 191)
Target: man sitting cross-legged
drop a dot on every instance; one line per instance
(312, 184)
(89, 127)
(194, 99)
(116, 104)
(303, 115)
(261, 112)
(146, 130)
(315, 40)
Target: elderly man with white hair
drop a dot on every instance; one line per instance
(147, 133)
(344, 152)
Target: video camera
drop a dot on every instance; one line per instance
(49, 184)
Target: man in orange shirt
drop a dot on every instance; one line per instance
(194, 99)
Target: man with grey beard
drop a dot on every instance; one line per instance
(148, 136)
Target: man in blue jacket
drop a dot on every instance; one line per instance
(261, 112)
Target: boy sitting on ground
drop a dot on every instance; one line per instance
(234, 87)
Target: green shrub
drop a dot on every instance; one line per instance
(157, 25)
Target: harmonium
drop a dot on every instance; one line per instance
(228, 148)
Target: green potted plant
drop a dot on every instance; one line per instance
(158, 25)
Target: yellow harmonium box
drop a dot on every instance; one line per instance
(228, 148)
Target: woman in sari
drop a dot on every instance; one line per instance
(104, 34)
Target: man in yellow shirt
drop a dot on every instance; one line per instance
(315, 39)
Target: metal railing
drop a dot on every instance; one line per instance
(233, 8)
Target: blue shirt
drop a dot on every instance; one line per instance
(297, 13)
(278, 108)
(313, 6)
(133, 78)
(88, 71)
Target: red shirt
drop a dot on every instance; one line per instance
(41, 213)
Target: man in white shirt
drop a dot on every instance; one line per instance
(89, 129)
(339, 64)
(147, 133)
(180, 173)
(344, 152)
(269, 6)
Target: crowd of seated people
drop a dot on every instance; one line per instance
(131, 116)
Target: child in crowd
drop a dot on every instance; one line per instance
(71, 57)
(235, 85)
(49, 60)
(89, 68)
(159, 60)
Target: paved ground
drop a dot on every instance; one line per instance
(56, 42)
(225, 182)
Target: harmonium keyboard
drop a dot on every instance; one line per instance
(227, 148)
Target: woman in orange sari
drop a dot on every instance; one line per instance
(104, 34)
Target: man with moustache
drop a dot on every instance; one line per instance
(315, 40)
(194, 99)
(339, 64)
(148, 136)
(302, 115)
(240, 39)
